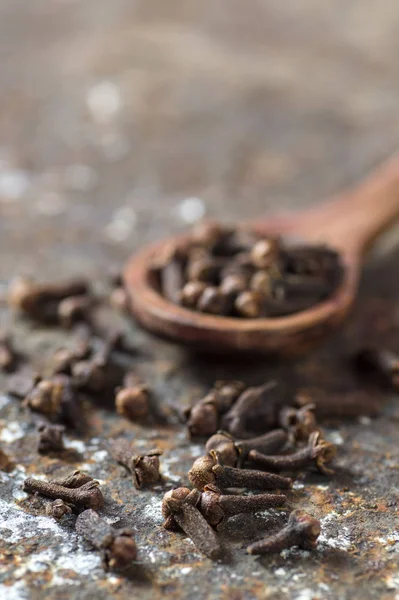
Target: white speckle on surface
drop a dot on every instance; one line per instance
(50, 204)
(14, 183)
(186, 570)
(114, 580)
(166, 470)
(335, 437)
(280, 572)
(104, 101)
(16, 525)
(4, 400)
(81, 562)
(77, 445)
(363, 420)
(298, 485)
(197, 450)
(79, 178)
(100, 455)
(40, 562)
(389, 539)
(111, 520)
(153, 510)
(14, 431)
(342, 541)
(18, 591)
(191, 210)
(324, 587)
(121, 225)
(65, 581)
(323, 486)
(306, 594)
(392, 581)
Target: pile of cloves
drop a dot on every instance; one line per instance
(227, 271)
(292, 442)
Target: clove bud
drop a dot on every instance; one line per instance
(117, 546)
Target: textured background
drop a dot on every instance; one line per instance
(124, 121)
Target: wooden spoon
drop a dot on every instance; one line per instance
(348, 223)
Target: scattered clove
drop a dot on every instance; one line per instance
(58, 509)
(216, 507)
(55, 398)
(183, 508)
(234, 453)
(75, 308)
(203, 418)
(298, 422)
(63, 359)
(50, 438)
(41, 301)
(301, 530)
(132, 400)
(87, 495)
(208, 470)
(8, 356)
(6, 464)
(380, 364)
(117, 546)
(256, 408)
(317, 452)
(74, 480)
(144, 468)
(266, 443)
(118, 299)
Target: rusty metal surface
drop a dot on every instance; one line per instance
(120, 123)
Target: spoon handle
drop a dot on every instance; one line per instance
(351, 220)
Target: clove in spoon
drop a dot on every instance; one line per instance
(349, 223)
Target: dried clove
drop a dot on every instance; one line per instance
(117, 546)
(265, 252)
(183, 508)
(298, 422)
(41, 301)
(225, 445)
(301, 530)
(250, 304)
(87, 495)
(75, 308)
(144, 468)
(58, 509)
(266, 443)
(8, 356)
(118, 299)
(50, 438)
(208, 470)
(55, 398)
(132, 400)
(212, 301)
(203, 418)
(63, 359)
(256, 407)
(191, 293)
(317, 452)
(234, 453)
(6, 463)
(74, 480)
(380, 364)
(246, 276)
(216, 507)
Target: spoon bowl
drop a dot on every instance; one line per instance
(347, 223)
